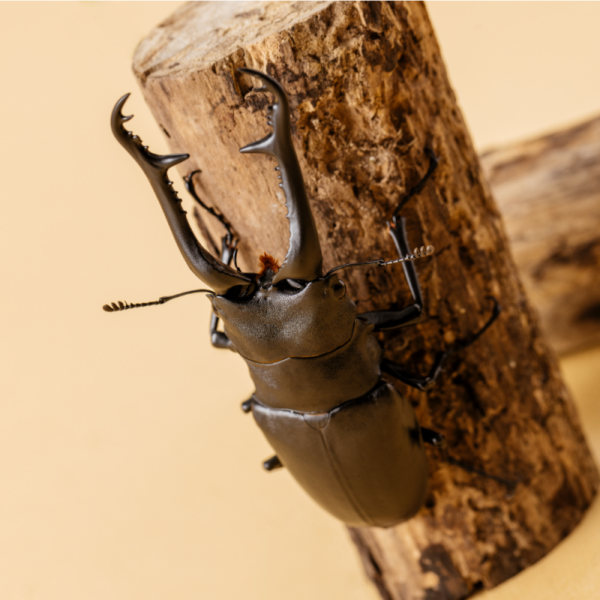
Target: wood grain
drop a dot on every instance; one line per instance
(369, 92)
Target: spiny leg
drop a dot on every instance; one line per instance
(412, 314)
(230, 237)
(228, 253)
(424, 383)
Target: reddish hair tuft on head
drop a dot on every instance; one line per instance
(267, 262)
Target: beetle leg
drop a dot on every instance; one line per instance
(433, 437)
(409, 315)
(424, 383)
(228, 252)
(272, 463)
(218, 338)
(416, 381)
(247, 405)
(412, 314)
(230, 237)
(438, 440)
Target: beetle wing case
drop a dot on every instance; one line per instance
(363, 461)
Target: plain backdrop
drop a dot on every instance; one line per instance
(127, 469)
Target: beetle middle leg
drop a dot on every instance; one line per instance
(423, 383)
(412, 314)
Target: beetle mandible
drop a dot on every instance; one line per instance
(346, 435)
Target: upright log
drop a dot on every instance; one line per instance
(369, 93)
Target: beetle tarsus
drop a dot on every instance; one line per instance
(433, 438)
(272, 463)
(438, 440)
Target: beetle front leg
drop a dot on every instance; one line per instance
(409, 315)
(228, 249)
(412, 314)
(217, 338)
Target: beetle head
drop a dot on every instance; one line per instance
(291, 318)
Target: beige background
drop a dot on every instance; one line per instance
(127, 469)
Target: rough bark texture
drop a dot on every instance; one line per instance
(369, 93)
(548, 191)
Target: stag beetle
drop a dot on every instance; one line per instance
(347, 436)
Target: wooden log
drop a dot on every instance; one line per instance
(548, 191)
(369, 92)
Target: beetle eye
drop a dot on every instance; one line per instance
(339, 289)
(291, 285)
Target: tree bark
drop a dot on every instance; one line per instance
(548, 191)
(369, 93)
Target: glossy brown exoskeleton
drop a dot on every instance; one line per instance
(349, 437)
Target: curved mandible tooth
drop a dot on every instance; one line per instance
(303, 259)
(206, 267)
(133, 144)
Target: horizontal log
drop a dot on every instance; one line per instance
(548, 191)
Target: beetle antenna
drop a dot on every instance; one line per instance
(416, 253)
(118, 306)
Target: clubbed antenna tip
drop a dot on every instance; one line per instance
(118, 306)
